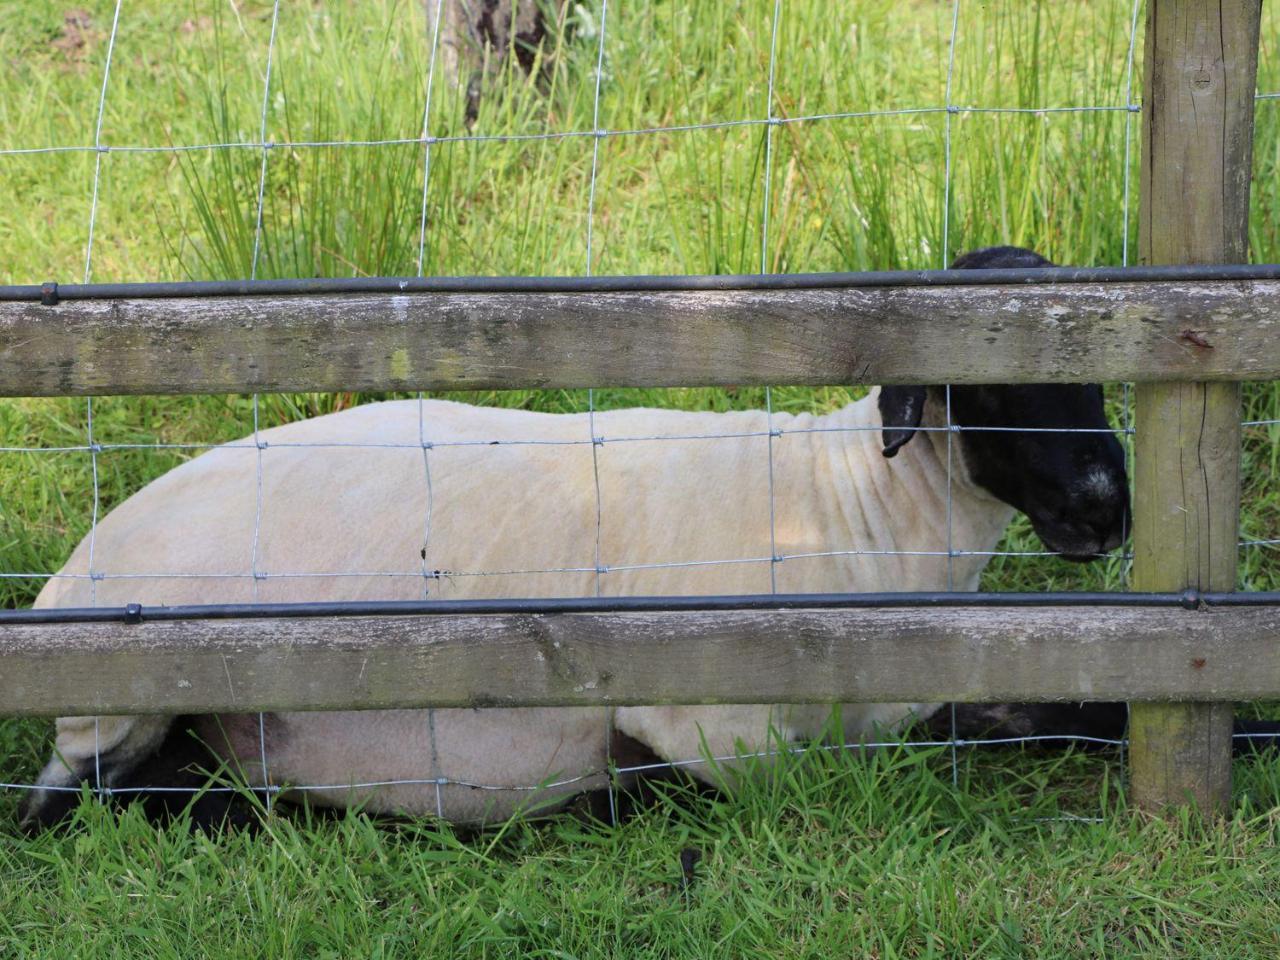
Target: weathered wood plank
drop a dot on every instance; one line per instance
(1202, 330)
(1201, 70)
(1186, 486)
(910, 655)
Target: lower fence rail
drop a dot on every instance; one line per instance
(1139, 647)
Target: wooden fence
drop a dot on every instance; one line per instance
(1186, 343)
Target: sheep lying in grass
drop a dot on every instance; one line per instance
(862, 478)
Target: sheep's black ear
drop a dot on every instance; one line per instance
(900, 411)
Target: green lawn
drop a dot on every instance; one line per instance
(836, 855)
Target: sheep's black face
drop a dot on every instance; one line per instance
(1072, 485)
(1046, 450)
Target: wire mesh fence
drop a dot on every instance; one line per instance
(766, 436)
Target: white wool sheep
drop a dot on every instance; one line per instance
(328, 508)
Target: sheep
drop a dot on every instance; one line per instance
(478, 503)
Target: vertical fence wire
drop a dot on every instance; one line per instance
(945, 261)
(764, 268)
(93, 582)
(598, 134)
(951, 579)
(257, 575)
(99, 151)
(99, 148)
(949, 109)
(257, 440)
(768, 140)
(1130, 108)
(266, 145)
(426, 132)
(427, 577)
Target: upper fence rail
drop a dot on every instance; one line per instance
(1001, 326)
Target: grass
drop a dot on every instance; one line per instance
(877, 856)
(836, 854)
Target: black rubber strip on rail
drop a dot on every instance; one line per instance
(137, 613)
(53, 293)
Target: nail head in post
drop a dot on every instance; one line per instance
(49, 293)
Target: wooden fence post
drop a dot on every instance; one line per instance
(1197, 149)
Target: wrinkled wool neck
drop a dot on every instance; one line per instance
(911, 493)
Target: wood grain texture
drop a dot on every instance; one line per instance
(1200, 76)
(910, 655)
(1186, 486)
(1201, 71)
(1205, 330)
(1180, 753)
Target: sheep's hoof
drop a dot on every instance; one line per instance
(49, 804)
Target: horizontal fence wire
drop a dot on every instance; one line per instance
(600, 134)
(599, 440)
(595, 774)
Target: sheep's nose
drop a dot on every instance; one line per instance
(1107, 524)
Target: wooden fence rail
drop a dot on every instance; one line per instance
(722, 656)
(1066, 332)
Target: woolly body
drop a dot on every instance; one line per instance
(488, 509)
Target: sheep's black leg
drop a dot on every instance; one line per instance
(175, 777)
(637, 790)
(1081, 723)
(166, 781)
(1255, 736)
(995, 721)
(47, 806)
